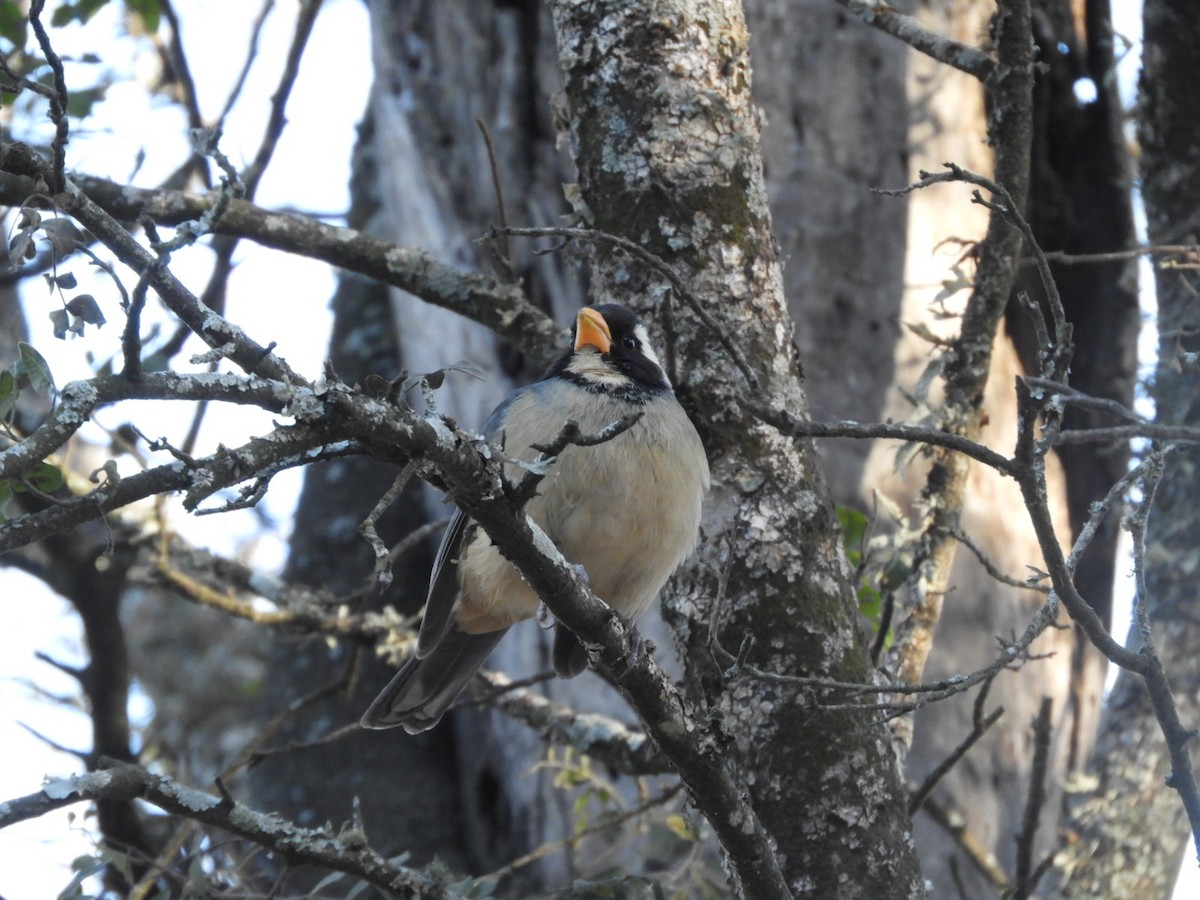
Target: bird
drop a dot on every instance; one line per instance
(626, 510)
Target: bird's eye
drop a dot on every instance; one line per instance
(629, 342)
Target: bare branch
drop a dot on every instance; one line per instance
(600, 827)
(1079, 259)
(980, 728)
(1028, 584)
(383, 559)
(310, 846)
(886, 18)
(613, 743)
(1038, 773)
(504, 308)
(1143, 662)
(283, 90)
(58, 101)
(251, 55)
(980, 857)
(789, 424)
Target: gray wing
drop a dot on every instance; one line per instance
(443, 581)
(421, 692)
(443, 587)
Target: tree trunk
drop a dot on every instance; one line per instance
(1133, 848)
(966, 833)
(666, 138)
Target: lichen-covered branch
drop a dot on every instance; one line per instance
(889, 20)
(502, 307)
(310, 846)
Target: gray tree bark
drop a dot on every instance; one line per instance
(665, 131)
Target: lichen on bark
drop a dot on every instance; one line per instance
(666, 143)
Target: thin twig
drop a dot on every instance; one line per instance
(181, 67)
(251, 55)
(276, 120)
(1027, 584)
(505, 253)
(1071, 395)
(1038, 773)
(789, 424)
(604, 824)
(977, 853)
(383, 558)
(569, 435)
(59, 103)
(943, 768)
(1067, 259)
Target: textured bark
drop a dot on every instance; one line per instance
(658, 96)
(666, 139)
(948, 123)
(1133, 849)
(987, 790)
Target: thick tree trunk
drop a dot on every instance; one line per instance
(665, 131)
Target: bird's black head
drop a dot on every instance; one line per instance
(611, 353)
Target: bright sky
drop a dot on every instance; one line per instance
(268, 291)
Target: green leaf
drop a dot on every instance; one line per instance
(8, 393)
(870, 603)
(76, 12)
(149, 11)
(32, 366)
(64, 15)
(47, 478)
(854, 529)
(14, 26)
(80, 103)
(896, 573)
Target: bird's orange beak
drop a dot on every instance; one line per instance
(592, 331)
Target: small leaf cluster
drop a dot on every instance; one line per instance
(63, 239)
(875, 578)
(82, 11)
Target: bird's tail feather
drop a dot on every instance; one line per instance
(421, 692)
(570, 657)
